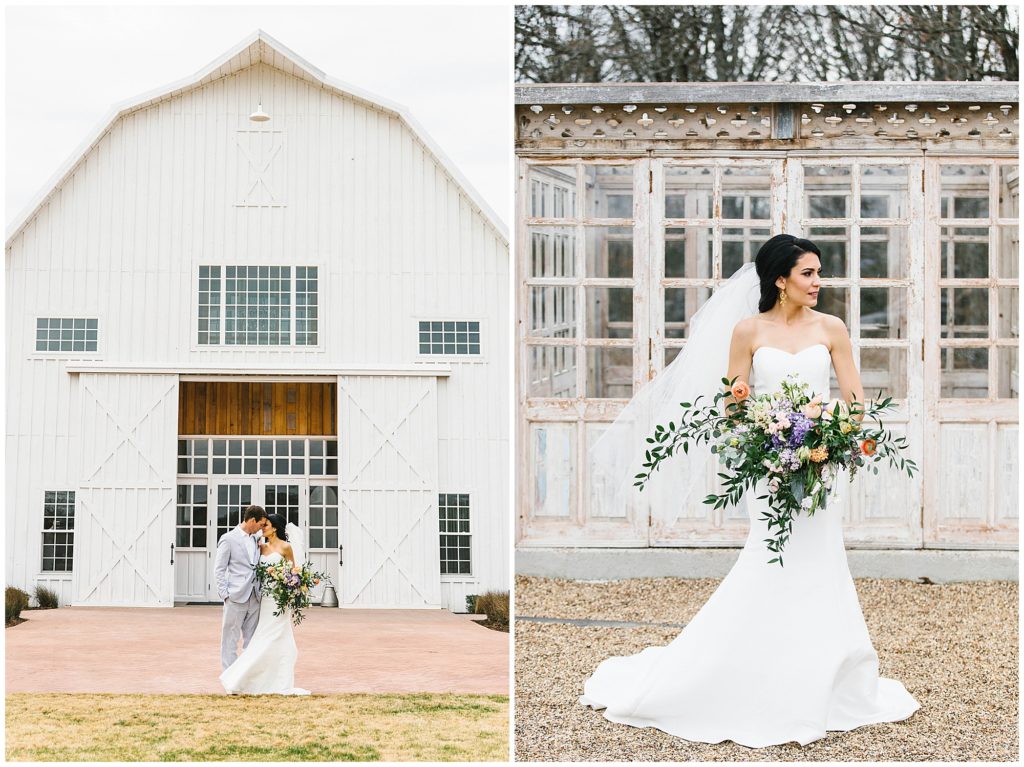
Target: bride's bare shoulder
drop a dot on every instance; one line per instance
(745, 329)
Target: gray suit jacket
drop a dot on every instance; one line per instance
(236, 555)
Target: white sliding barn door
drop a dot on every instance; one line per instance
(387, 441)
(124, 523)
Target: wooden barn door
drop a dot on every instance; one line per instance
(387, 435)
(125, 516)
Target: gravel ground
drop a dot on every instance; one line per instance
(954, 646)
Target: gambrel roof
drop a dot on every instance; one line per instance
(259, 47)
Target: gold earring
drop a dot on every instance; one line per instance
(782, 297)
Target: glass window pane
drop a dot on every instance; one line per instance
(316, 539)
(552, 191)
(552, 371)
(739, 247)
(553, 456)
(1009, 191)
(688, 252)
(964, 252)
(827, 191)
(884, 252)
(1008, 251)
(609, 312)
(680, 306)
(964, 312)
(884, 191)
(883, 313)
(689, 190)
(833, 242)
(965, 191)
(552, 251)
(835, 301)
(1009, 312)
(609, 190)
(884, 369)
(746, 192)
(609, 251)
(1009, 372)
(609, 372)
(551, 312)
(964, 373)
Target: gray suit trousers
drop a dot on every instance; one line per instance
(238, 617)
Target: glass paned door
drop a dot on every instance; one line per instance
(972, 383)
(708, 217)
(866, 215)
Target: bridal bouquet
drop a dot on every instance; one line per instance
(792, 440)
(289, 585)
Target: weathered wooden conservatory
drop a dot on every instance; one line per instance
(636, 201)
(257, 285)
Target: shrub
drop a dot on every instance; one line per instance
(494, 604)
(15, 600)
(46, 598)
(471, 603)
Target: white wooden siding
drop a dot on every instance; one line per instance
(394, 234)
(124, 519)
(387, 486)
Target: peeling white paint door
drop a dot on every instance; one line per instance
(125, 516)
(387, 441)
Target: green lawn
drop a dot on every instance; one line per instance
(319, 728)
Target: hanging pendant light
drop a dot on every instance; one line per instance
(259, 116)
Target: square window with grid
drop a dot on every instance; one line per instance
(67, 334)
(257, 305)
(58, 530)
(253, 306)
(449, 337)
(456, 549)
(323, 517)
(282, 500)
(191, 519)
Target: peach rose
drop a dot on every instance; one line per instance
(819, 454)
(868, 446)
(296, 570)
(812, 409)
(740, 391)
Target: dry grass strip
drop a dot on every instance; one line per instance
(267, 728)
(954, 646)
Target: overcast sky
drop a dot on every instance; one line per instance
(450, 66)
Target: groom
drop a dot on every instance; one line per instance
(237, 552)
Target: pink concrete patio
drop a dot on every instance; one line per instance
(140, 650)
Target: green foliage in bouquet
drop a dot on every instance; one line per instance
(289, 585)
(791, 440)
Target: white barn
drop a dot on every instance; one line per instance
(308, 312)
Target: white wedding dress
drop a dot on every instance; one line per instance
(267, 665)
(777, 654)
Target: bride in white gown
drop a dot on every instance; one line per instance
(267, 665)
(777, 654)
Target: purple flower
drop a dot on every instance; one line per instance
(801, 425)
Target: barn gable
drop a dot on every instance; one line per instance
(258, 50)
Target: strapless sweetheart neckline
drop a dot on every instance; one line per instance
(791, 354)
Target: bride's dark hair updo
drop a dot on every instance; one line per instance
(775, 259)
(280, 525)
